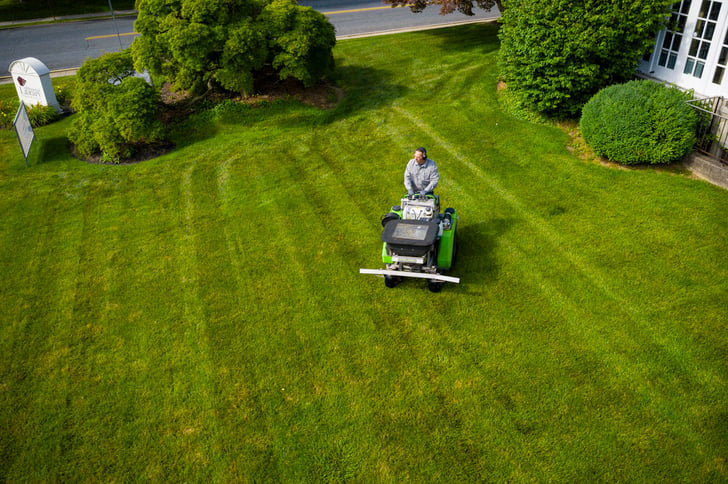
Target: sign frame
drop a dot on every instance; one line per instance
(24, 131)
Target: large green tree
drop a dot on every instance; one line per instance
(197, 43)
(556, 54)
(449, 6)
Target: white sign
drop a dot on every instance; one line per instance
(32, 81)
(24, 130)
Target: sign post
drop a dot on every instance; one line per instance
(24, 131)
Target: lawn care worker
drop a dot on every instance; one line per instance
(421, 175)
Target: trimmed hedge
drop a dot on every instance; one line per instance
(639, 122)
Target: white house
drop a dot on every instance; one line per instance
(692, 52)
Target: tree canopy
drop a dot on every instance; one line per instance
(556, 54)
(449, 6)
(195, 43)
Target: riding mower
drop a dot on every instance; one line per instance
(418, 242)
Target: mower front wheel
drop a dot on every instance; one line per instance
(435, 286)
(392, 281)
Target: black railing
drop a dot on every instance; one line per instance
(712, 129)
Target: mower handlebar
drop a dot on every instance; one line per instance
(417, 196)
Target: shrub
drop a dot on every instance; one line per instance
(199, 45)
(556, 54)
(115, 109)
(639, 122)
(300, 41)
(40, 115)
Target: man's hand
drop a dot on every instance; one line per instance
(423, 194)
(410, 193)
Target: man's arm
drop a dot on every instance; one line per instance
(408, 179)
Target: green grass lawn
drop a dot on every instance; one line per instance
(201, 316)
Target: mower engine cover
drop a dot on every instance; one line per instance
(410, 237)
(420, 208)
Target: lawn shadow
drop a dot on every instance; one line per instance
(365, 88)
(51, 150)
(352, 89)
(475, 263)
(479, 38)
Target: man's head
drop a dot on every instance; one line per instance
(420, 155)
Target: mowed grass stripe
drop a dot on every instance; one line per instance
(351, 329)
(622, 352)
(547, 232)
(315, 324)
(282, 274)
(241, 338)
(44, 286)
(193, 398)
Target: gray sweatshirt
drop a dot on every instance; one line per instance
(421, 178)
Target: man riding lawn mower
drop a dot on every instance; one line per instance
(418, 240)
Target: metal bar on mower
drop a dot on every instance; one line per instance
(418, 275)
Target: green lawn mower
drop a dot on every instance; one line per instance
(418, 242)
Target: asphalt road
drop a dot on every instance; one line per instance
(62, 46)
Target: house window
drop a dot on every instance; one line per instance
(722, 62)
(702, 36)
(674, 34)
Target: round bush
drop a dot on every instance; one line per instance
(639, 122)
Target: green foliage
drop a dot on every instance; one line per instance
(40, 115)
(64, 93)
(556, 54)
(639, 122)
(8, 109)
(300, 41)
(244, 52)
(231, 42)
(115, 109)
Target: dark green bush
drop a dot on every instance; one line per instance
(199, 45)
(556, 54)
(639, 122)
(300, 41)
(115, 111)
